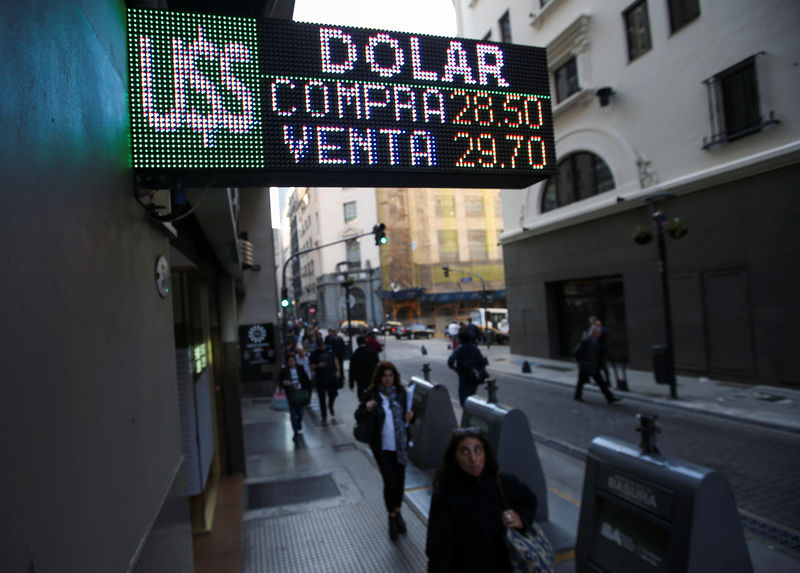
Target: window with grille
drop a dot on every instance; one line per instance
(505, 28)
(476, 241)
(681, 12)
(350, 211)
(637, 27)
(474, 206)
(734, 106)
(353, 252)
(445, 206)
(566, 79)
(580, 176)
(448, 245)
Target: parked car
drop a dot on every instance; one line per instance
(414, 331)
(390, 327)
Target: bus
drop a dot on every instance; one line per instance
(493, 322)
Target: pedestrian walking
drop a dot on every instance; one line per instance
(469, 511)
(472, 330)
(336, 342)
(452, 332)
(603, 343)
(302, 360)
(362, 366)
(470, 365)
(327, 377)
(587, 355)
(373, 343)
(386, 399)
(298, 392)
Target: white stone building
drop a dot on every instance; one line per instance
(316, 217)
(682, 108)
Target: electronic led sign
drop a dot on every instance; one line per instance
(278, 102)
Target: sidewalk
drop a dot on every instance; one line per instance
(316, 505)
(770, 406)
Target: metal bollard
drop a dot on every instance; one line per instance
(491, 390)
(648, 428)
(426, 372)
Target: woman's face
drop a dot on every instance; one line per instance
(387, 378)
(291, 362)
(470, 456)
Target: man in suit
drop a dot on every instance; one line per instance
(588, 357)
(362, 365)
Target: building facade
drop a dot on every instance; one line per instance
(433, 228)
(328, 222)
(124, 303)
(669, 115)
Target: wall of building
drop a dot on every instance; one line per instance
(89, 412)
(652, 135)
(748, 226)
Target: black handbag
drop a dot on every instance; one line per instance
(366, 428)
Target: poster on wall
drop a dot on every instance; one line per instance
(257, 345)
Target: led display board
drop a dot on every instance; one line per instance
(275, 102)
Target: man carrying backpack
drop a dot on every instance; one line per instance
(470, 365)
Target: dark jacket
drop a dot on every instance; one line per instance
(362, 366)
(305, 383)
(467, 356)
(327, 365)
(587, 355)
(373, 394)
(465, 529)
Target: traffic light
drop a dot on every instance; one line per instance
(446, 270)
(380, 235)
(284, 297)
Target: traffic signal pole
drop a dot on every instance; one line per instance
(380, 239)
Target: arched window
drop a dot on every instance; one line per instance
(579, 176)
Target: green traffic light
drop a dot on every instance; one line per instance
(384, 240)
(284, 303)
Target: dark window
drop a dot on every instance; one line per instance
(637, 26)
(580, 176)
(681, 12)
(505, 28)
(350, 211)
(566, 80)
(733, 103)
(573, 302)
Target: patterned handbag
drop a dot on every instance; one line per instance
(530, 551)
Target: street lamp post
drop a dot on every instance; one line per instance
(347, 282)
(676, 230)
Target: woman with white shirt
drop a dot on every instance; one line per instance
(386, 398)
(302, 360)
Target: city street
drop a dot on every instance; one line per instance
(760, 463)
